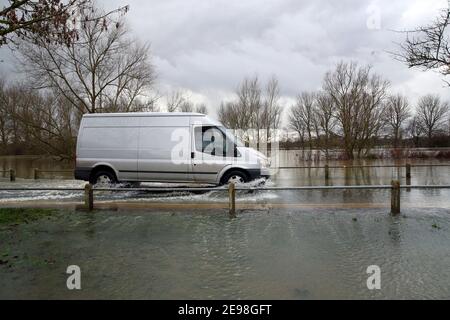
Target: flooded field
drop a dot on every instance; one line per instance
(282, 244)
(287, 254)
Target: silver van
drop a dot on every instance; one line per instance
(163, 147)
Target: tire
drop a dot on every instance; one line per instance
(103, 177)
(235, 176)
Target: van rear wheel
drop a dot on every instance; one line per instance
(103, 178)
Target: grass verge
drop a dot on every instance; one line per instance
(9, 216)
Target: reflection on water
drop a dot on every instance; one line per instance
(365, 175)
(260, 254)
(24, 166)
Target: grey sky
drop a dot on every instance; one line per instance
(208, 46)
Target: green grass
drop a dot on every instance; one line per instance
(11, 216)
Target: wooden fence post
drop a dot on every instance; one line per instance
(408, 171)
(327, 172)
(395, 197)
(12, 175)
(232, 199)
(89, 197)
(35, 173)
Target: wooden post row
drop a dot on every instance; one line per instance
(395, 197)
(408, 171)
(232, 199)
(89, 197)
(12, 175)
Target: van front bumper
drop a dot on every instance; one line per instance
(82, 173)
(258, 173)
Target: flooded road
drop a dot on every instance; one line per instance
(313, 244)
(300, 254)
(428, 175)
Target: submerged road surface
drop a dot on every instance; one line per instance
(314, 244)
(272, 254)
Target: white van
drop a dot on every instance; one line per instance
(163, 147)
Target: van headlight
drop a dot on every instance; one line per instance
(264, 163)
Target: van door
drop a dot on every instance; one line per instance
(209, 153)
(164, 152)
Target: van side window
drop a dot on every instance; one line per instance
(210, 140)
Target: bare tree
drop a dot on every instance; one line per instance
(358, 96)
(271, 110)
(396, 115)
(414, 130)
(431, 115)
(228, 115)
(427, 47)
(249, 106)
(55, 21)
(51, 19)
(325, 120)
(187, 106)
(51, 123)
(174, 100)
(102, 70)
(302, 114)
(201, 108)
(2, 103)
(253, 109)
(36, 122)
(296, 123)
(5, 118)
(13, 97)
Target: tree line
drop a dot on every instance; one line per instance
(354, 109)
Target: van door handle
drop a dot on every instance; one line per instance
(192, 155)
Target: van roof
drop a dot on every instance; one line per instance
(145, 114)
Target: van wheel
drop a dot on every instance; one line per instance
(235, 176)
(103, 178)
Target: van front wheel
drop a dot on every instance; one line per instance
(103, 178)
(235, 176)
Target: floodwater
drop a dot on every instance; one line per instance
(288, 254)
(282, 245)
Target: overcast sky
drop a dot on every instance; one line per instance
(208, 46)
